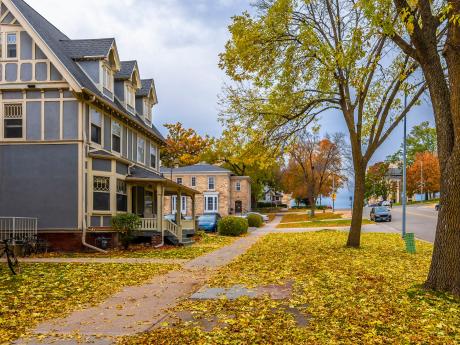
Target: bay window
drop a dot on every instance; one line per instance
(153, 156)
(122, 196)
(183, 205)
(211, 203)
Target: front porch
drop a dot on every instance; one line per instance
(147, 198)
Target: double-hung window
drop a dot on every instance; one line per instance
(211, 183)
(13, 121)
(11, 46)
(153, 156)
(130, 96)
(107, 78)
(193, 181)
(179, 180)
(96, 127)
(141, 150)
(238, 186)
(183, 205)
(101, 193)
(122, 196)
(116, 136)
(211, 203)
(147, 111)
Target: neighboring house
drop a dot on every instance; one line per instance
(274, 197)
(394, 177)
(221, 190)
(77, 144)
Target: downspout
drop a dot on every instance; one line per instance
(83, 237)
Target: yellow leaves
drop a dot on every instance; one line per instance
(45, 291)
(366, 296)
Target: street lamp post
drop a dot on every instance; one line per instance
(404, 199)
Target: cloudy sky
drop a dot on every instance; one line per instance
(177, 42)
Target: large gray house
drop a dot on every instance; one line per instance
(77, 143)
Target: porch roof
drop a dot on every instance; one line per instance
(139, 174)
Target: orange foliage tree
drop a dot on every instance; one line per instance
(424, 175)
(314, 166)
(183, 146)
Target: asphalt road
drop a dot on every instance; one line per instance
(421, 220)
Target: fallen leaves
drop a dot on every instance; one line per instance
(366, 296)
(45, 291)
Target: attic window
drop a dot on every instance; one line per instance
(130, 96)
(107, 78)
(11, 46)
(147, 111)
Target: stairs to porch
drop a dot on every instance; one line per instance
(176, 235)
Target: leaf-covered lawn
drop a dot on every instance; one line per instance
(366, 296)
(203, 246)
(45, 291)
(320, 224)
(304, 217)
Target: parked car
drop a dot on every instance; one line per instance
(172, 217)
(386, 203)
(264, 217)
(380, 214)
(208, 222)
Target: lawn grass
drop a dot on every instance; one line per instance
(371, 295)
(202, 246)
(46, 291)
(303, 217)
(321, 224)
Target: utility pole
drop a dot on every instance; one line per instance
(404, 199)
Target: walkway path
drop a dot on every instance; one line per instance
(139, 308)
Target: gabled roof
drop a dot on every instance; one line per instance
(127, 70)
(88, 48)
(148, 86)
(197, 168)
(63, 50)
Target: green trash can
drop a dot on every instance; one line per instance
(410, 242)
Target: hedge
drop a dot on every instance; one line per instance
(232, 226)
(255, 221)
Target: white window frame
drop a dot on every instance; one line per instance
(238, 186)
(115, 125)
(183, 205)
(193, 181)
(215, 203)
(130, 96)
(141, 158)
(22, 117)
(154, 151)
(6, 45)
(213, 178)
(147, 111)
(93, 111)
(180, 179)
(107, 78)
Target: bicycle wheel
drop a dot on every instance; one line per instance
(13, 263)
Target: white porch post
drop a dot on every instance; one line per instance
(194, 212)
(179, 208)
(160, 201)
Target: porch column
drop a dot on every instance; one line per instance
(160, 201)
(194, 212)
(179, 208)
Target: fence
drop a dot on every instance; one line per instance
(17, 229)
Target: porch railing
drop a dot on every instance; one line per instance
(173, 228)
(149, 224)
(17, 228)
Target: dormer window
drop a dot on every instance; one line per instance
(130, 96)
(107, 78)
(147, 111)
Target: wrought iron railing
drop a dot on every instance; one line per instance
(18, 228)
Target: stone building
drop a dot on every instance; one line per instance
(221, 190)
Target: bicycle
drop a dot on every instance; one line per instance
(13, 262)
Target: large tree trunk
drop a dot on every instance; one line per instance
(354, 237)
(444, 272)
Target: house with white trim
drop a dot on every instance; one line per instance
(77, 140)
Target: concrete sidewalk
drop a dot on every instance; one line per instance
(139, 308)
